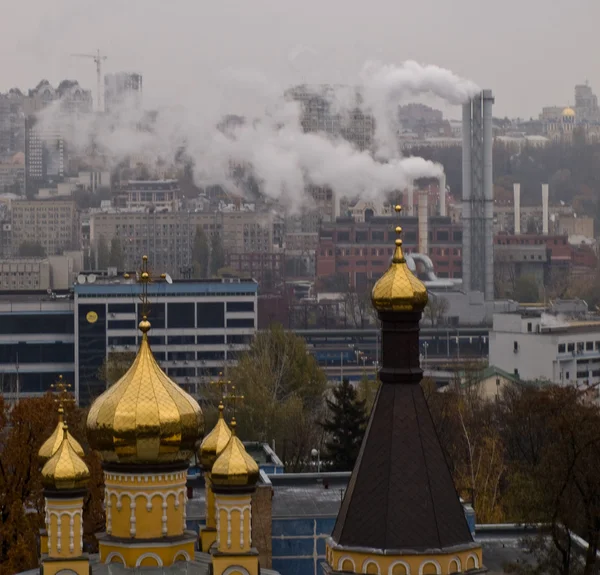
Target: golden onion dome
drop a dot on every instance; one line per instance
(398, 289)
(215, 442)
(145, 417)
(568, 112)
(65, 469)
(234, 467)
(51, 445)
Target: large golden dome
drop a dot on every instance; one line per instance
(52, 444)
(398, 289)
(234, 467)
(145, 417)
(568, 112)
(65, 469)
(215, 442)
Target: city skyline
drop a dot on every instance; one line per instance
(283, 48)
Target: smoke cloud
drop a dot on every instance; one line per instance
(270, 141)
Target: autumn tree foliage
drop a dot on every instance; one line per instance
(23, 429)
(283, 390)
(530, 456)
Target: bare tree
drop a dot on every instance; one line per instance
(437, 307)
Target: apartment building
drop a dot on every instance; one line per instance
(54, 224)
(167, 238)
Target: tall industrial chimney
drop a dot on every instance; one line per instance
(517, 208)
(545, 209)
(423, 223)
(478, 195)
(443, 195)
(411, 199)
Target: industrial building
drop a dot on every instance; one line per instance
(534, 345)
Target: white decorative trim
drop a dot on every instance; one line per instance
(438, 567)
(236, 569)
(341, 562)
(159, 562)
(457, 565)
(475, 558)
(368, 562)
(59, 514)
(399, 562)
(184, 554)
(132, 519)
(113, 554)
(71, 534)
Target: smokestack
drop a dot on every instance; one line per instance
(488, 194)
(423, 223)
(443, 195)
(466, 193)
(545, 209)
(517, 207)
(411, 199)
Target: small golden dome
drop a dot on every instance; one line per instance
(51, 445)
(568, 112)
(65, 469)
(145, 417)
(399, 289)
(234, 467)
(215, 442)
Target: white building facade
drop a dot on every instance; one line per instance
(534, 346)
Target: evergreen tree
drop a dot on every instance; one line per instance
(217, 254)
(200, 254)
(346, 427)
(116, 258)
(103, 253)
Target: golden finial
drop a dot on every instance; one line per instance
(145, 278)
(233, 398)
(222, 384)
(399, 289)
(63, 395)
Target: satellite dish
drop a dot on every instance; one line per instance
(168, 279)
(91, 278)
(80, 279)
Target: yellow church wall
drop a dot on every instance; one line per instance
(64, 539)
(148, 521)
(433, 564)
(221, 563)
(234, 519)
(152, 555)
(143, 498)
(175, 509)
(81, 567)
(120, 515)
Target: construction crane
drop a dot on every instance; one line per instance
(98, 59)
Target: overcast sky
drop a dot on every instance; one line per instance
(529, 52)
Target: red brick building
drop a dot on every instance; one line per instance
(360, 251)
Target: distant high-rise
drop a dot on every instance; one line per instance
(45, 149)
(122, 89)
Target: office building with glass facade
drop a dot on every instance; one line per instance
(198, 328)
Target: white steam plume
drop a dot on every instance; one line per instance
(386, 85)
(284, 159)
